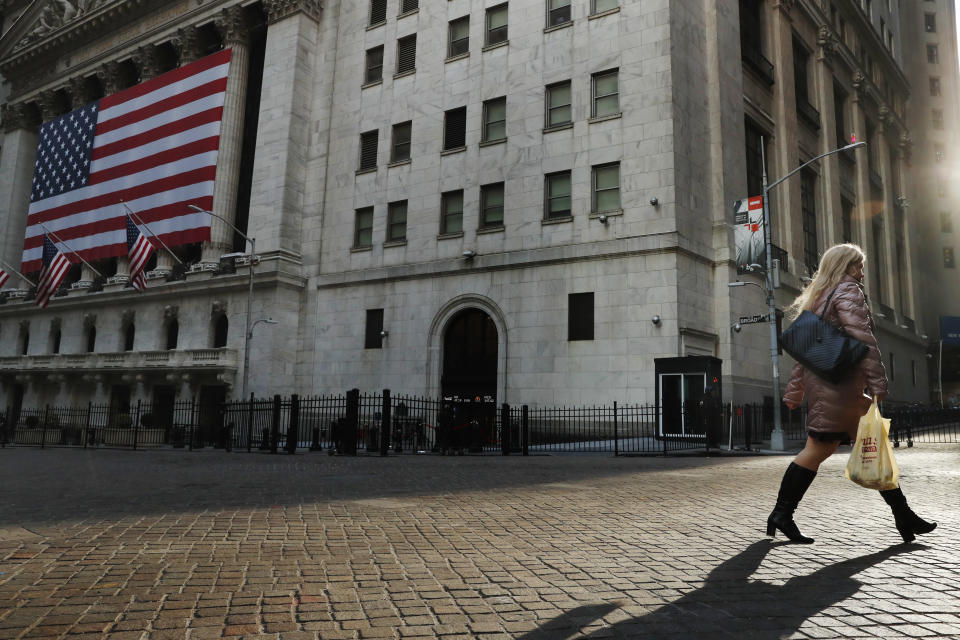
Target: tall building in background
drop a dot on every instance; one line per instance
(529, 200)
(934, 120)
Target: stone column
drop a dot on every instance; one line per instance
(862, 175)
(232, 25)
(889, 263)
(909, 231)
(17, 157)
(283, 131)
(830, 166)
(785, 198)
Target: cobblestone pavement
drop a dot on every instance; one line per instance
(165, 544)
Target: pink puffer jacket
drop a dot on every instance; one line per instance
(838, 407)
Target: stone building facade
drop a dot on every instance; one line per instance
(527, 200)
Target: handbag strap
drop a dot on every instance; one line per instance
(826, 304)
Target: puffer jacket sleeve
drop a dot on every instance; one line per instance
(854, 317)
(793, 396)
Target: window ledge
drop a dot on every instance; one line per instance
(459, 56)
(408, 13)
(399, 163)
(368, 247)
(363, 171)
(557, 220)
(485, 230)
(557, 27)
(372, 84)
(448, 236)
(495, 45)
(558, 127)
(404, 74)
(609, 214)
(594, 16)
(450, 152)
(612, 116)
(491, 143)
(376, 25)
(395, 243)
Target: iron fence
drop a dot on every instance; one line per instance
(381, 423)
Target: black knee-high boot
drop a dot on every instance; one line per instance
(908, 523)
(795, 482)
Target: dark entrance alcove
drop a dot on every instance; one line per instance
(470, 356)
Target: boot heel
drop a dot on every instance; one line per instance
(771, 529)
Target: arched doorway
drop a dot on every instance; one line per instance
(470, 356)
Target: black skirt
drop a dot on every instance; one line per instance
(830, 436)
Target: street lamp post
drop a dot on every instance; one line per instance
(249, 332)
(777, 437)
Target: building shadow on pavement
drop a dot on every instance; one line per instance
(729, 604)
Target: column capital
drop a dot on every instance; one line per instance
(278, 10)
(79, 92)
(785, 6)
(187, 44)
(15, 117)
(827, 42)
(47, 102)
(147, 62)
(906, 146)
(233, 25)
(109, 75)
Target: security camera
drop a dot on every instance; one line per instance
(384, 333)
(737, 327)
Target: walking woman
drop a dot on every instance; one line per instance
(834, 410)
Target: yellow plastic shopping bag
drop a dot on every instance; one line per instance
(871, 463)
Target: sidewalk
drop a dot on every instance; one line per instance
(154, 545)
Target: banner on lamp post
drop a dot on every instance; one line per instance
(748, 235)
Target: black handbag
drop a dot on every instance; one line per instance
(821, 347)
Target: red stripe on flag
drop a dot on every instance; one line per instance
(168, 78)
(178, 100)
(157, 133)
(149, 162)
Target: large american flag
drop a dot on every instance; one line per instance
(55, 267)
(153, 146)
(139, 251)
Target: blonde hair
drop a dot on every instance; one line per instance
(834, 264)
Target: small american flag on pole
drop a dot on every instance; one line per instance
(153, 146)
(55, 267)
(139, 251)
(3, 277)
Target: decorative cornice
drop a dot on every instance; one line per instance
(278, 10)
(57, 14)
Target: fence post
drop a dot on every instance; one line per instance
(86, 424)
(525, 428)
(136, 421)
(293, 429)
(505, 429)
(250, 423)
(616, 433)
(43, 432)
(385, 420)
(275, 427)
(348, 434)
(3, 427)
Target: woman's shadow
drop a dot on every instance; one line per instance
(729, 604)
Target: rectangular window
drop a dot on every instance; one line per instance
(934, 87)
(497, 24)
(606, 93)
(368, 150)
(893, 367)
(406, 6)
(374, 65)
(839, 102)
(400, 144)
(808, 212)
(558, 12)
(846, 220)
(580, 316)
(599, 6)
(754, 156)
(495, 120)
(363, 228)
(378, 11)
(458, 37)
(407, 54)
(451, 204)
(606, 187)
(558, 105)
(455, 128)
(930, 22)
(800, 78)
(948, 258)
(946, 222)
(933, 54)
(557, 195)
(937, 117)
(373, 335)
(397, 221)
(491, 206)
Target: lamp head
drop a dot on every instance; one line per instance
(655, 320)
(602, 218)
(469, 254)
(737, 327)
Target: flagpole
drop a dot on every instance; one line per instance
(23, 277)
(57, 238)
(138, 218)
